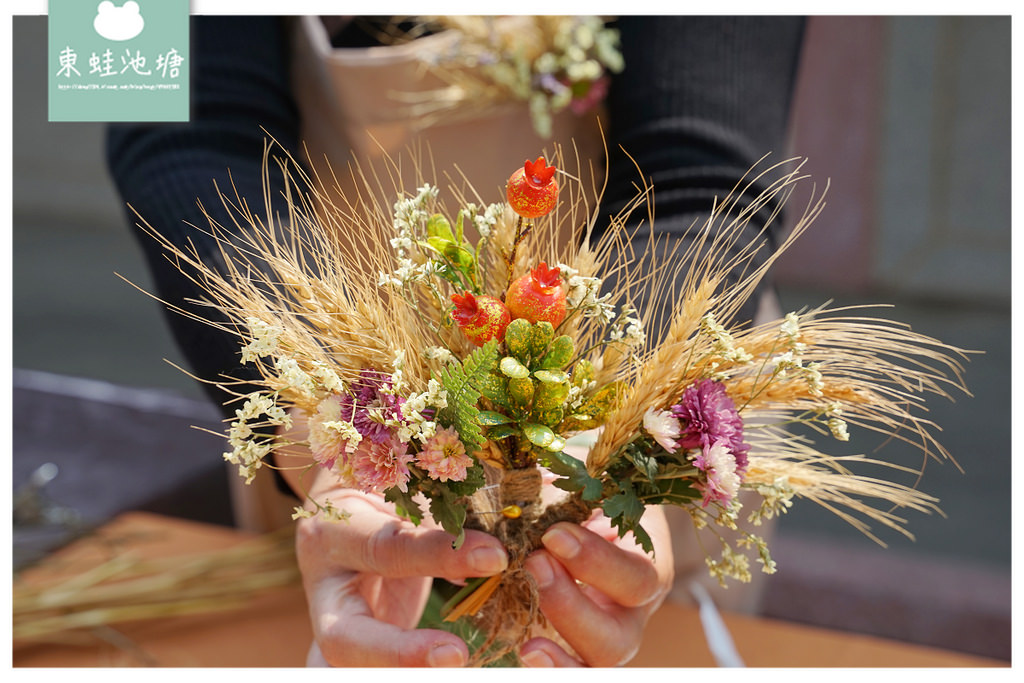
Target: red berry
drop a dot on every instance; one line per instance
(532, 190)
(538, 295)
(481, 318)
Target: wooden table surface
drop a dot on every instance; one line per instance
(272, 630)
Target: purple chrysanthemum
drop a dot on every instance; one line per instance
(369, 404)
(707, 415)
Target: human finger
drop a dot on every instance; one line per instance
(601, 632)
(347, 634)
(315, 658)
(541, 652)
(627, 577)
(375, 541)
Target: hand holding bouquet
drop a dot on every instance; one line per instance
(446, 356)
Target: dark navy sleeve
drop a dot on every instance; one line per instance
(700, 101)
(239, 87)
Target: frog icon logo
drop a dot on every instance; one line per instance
(118, 23)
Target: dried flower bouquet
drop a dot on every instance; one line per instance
(445, 350)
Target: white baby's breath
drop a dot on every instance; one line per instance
(265, 339)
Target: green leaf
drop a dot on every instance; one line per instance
(549, 395)
(645, 463)
(555, 376)
(438, 244)
(624, 510)
(494, 388)
(424, 244)
(576, 477)
(626, 507)
(438, 226)
(460, 380)
(517, 338)
(543, 332)
(557, 445)
(582, 372)
(559, 353)
(602, 402)
(502, 432)
(448, 513)
(458, 226)
(550, 417)
(510, 367)
(405, 506)
(489, 418)
(473, 481)
(449, 274)
(674, 492)
(520, 390)
(462, 258)
(538, 434)
(643, 539)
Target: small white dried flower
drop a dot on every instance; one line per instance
(293, 376)
(333, 514)
(791, 326)
(439, 353)
(485, 223)
(724, 344)
(814, 378)
(838, 429)
(776, 499)
(265, 339)
(328, 378)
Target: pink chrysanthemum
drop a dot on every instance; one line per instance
(377, 467)
(708, 415)
(444, 457)
(722, 480)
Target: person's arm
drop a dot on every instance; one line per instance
(700, 101)
(239, 87)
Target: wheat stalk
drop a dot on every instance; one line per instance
(129, 588)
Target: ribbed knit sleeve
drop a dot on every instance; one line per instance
(240, 86)
(701, 99)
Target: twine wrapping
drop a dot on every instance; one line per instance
(514, 608)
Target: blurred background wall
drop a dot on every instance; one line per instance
(908, 116)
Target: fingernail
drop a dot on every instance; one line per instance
(445, 655)
(562, 543)
(537, 658)
(542, 571)
(488, 560)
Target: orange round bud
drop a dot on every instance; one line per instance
(532, 190)
(481, 318)
(538, 295)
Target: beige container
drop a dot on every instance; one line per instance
(356, 105)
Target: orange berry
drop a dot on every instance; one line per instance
(532, 190)
(481, 318)
(538, 295)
